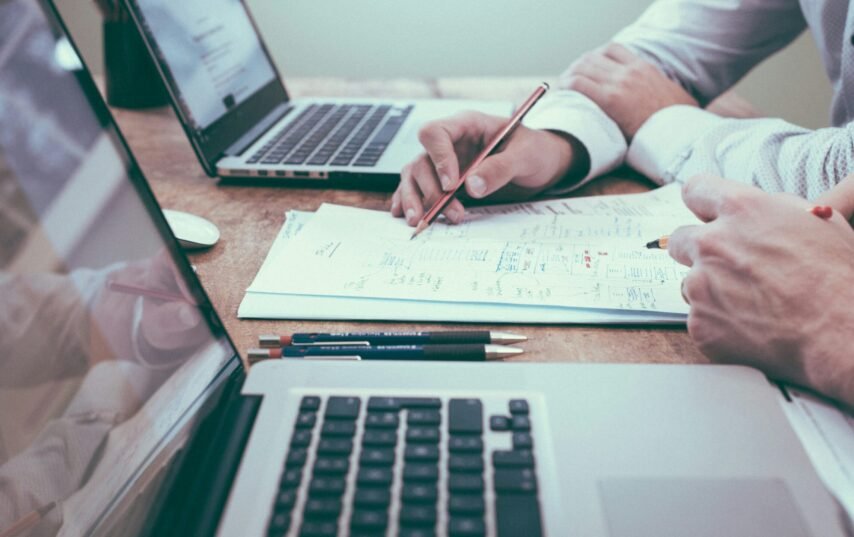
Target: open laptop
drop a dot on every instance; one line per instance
(241, 121)
(125, 413)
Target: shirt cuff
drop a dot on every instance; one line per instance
(666, 140)
(575, 114)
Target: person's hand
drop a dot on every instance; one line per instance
(770, 284)
(841, 198)
(627, 88)
(167, 328)
(529, 162)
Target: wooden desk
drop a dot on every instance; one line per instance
(250, 217)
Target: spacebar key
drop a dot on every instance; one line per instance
(517, 514)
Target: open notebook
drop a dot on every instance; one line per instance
(577, 260)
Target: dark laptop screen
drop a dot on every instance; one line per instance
(97, 375)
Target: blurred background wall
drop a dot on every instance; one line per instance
(412, 38)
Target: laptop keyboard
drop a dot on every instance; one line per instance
(407, 466)
(330, 134)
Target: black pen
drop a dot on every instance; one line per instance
(467, 353)
(454, 337)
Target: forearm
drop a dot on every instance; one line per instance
(708, 45)
(680, 142)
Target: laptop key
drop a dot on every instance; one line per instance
(423, 435)
(421, 453)
(379, 438)
(279, 524)
(306, 420)
(522, 441)
(419, 493)
(310, 402)
(465, 444)
(420, 472)
(517, 481)
(417, 532)
(346, 408)
(334, 446)
(362, 519)
(338, 428)
(377, 457)
(322, 508)
(465, 463)
(468, 527)
(331, 466)
(313, 528)
(466, 504)
(291, 478)
(465, 483)
(296, 458)
(384, 404)
(518, 406)
(382, 420)
(517, 515)
(417, 515)
(499, 423)
(421, 402)
(379, 477)
(521, 459)
(465, 416)
(521, 423)
(327, 486)
(301, 438)
(372, 498)
(424, 417)
(285, 499)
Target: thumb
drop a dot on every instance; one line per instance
(492, 174)
(840, 197)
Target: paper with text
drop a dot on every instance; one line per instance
(515, 259)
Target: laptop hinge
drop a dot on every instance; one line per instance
(260, 128)
(201, 479)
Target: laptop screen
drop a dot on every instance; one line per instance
(221, 80)
(213, 54)
(107, 342)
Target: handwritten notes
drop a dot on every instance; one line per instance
(580, 253)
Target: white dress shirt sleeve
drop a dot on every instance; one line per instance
(572, 113)
(774, 155)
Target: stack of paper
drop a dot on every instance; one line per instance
(579, 260)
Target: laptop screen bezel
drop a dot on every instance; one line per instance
(183, 425)
(211, 143)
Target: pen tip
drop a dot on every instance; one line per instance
(652, 244)
(421, 227)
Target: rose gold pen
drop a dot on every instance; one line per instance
(496, 140)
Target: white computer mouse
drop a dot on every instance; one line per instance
(193, 232)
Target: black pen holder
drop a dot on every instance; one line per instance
(132, 80)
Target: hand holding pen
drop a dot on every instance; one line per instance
(530, 162)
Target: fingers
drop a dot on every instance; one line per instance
(840, 197)
(682, 245)
(709, 197)
(438, 139)
(492, 174)
(596, 67)
(419, 189)
(585, 85)
(619, 53)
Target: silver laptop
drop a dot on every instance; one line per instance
(241, 121)
(125, 410)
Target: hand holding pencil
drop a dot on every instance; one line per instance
(530, 162)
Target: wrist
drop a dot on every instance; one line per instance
(573, 163)
(827, 360)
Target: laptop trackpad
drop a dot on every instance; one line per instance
(700, 508)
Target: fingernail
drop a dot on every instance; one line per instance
(410, 214)
(394, 204)
(477, 185)
(454, 214)
(446, 182)
(187, 315)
